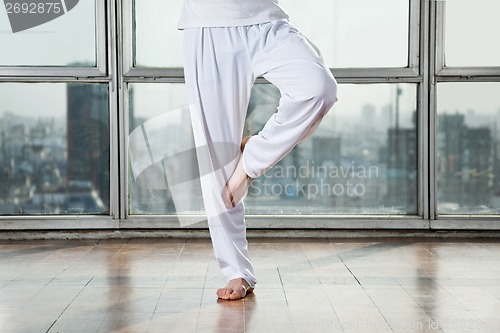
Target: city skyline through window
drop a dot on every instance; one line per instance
(54, 158)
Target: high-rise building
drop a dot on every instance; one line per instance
(402, 169)
(464, 162)
(88, 148)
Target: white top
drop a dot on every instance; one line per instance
(229, 13)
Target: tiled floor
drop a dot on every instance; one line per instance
(161, 285)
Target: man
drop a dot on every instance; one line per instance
(227, 45)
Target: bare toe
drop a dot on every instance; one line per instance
(224, 293)
(235, 289)
(238, 293)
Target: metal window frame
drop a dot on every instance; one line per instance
(431, 107)
(424, 114)
(438, 73)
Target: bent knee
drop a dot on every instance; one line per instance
(322, 89)
(330, 91)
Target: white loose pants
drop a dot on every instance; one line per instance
(221, 65)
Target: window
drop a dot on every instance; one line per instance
(93, 119)
(54, 154)
(468, 160)
(467, 109)
(56, 112)
(364, 158)
(156, 40)
(471, 27)
(343, 36)
(361, 160)
(350, 40)
(160, 128)
(69, 39)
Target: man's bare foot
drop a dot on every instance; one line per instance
(237, 186)
(235, 289)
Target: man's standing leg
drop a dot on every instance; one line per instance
(219, 81)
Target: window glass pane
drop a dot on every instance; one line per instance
(66, 40)
(468, 148)
(361, 160)
(54, 149)
(157, 42)
(147, 101)
(472, 29)
(362, 33)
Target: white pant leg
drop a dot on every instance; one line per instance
(219, 81)
(290, 62)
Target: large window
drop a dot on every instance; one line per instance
(343, 36)
(160, 128)
(54, 149)
(467, 109)
(361, 160)
(364, 158)
(53, 39)
(55, 111)
(350, 40)
(471, 27)
(156, 40)
(468, 149)
(94, 125)
(68, 39)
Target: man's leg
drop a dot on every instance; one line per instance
(219, 81)
(308, 91)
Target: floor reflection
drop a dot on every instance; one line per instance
(233, 315)
(427, 271)
(427, 287)
(120, 296)
(304, 286)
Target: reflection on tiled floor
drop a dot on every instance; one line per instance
(165, 285)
